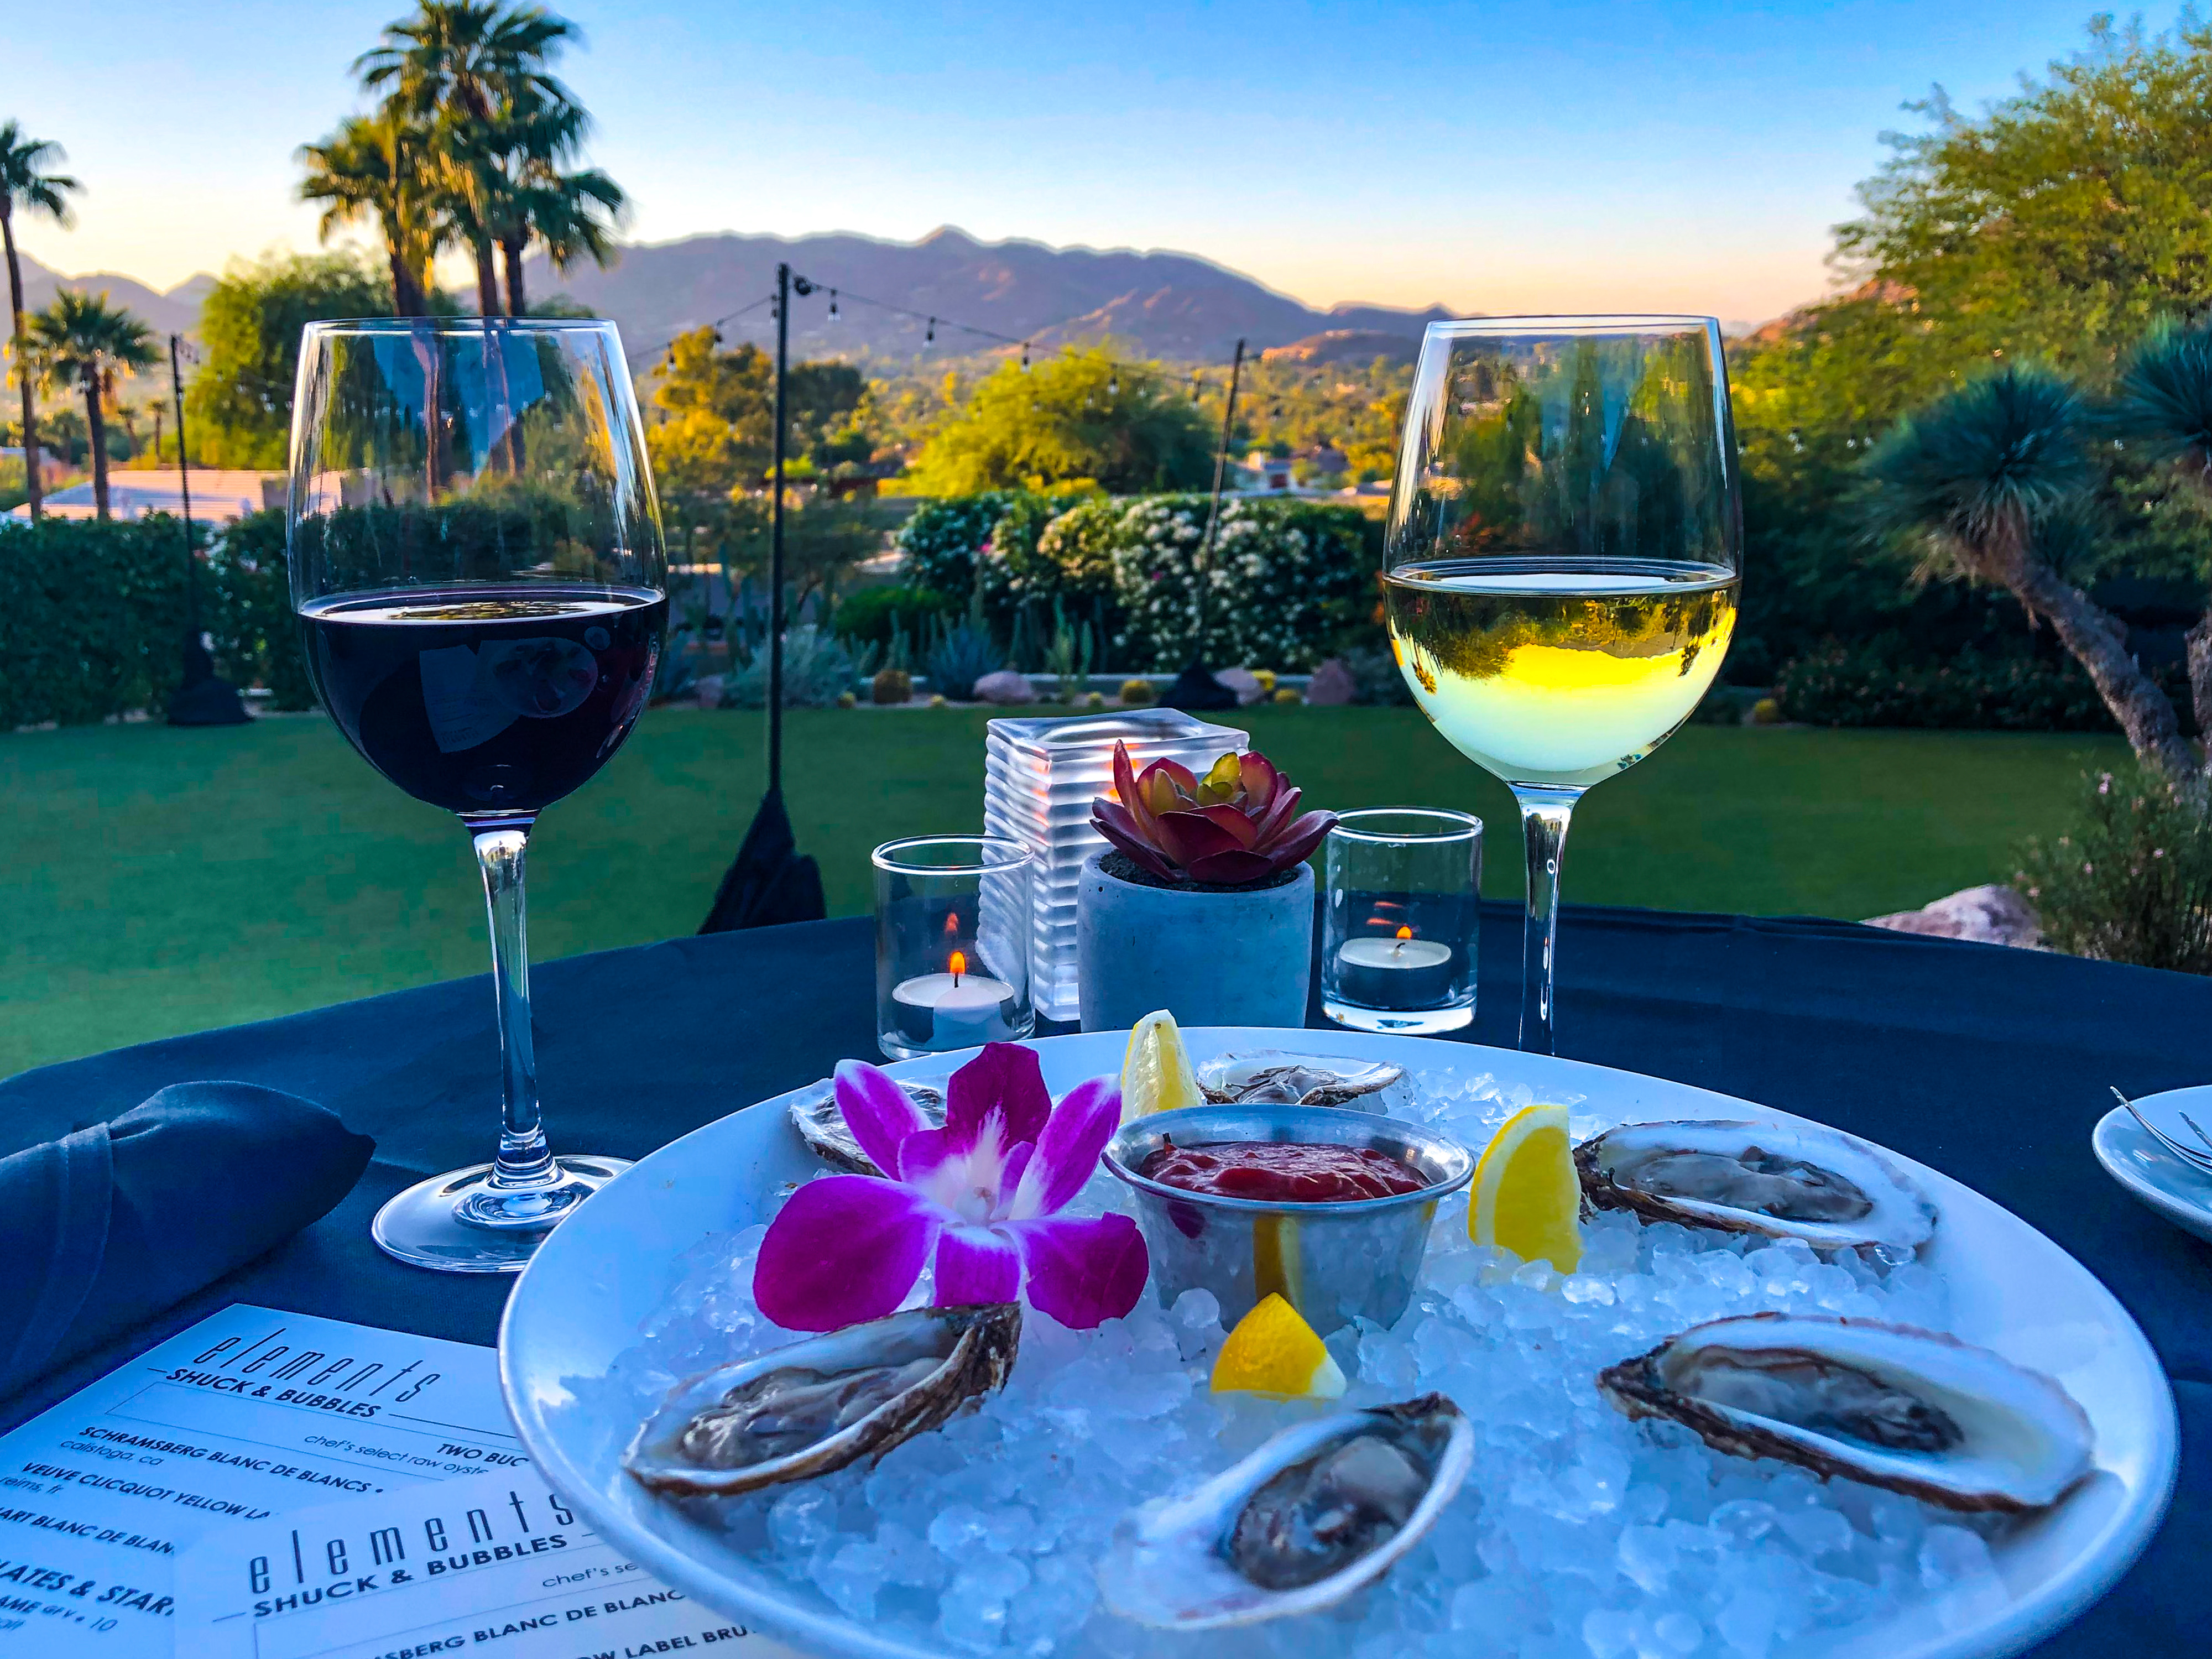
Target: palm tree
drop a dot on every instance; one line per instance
(475, 74)
(25, 183)
(375, 165)
(84, 336)
(1989, 479)
(2164, 407)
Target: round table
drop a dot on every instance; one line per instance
(1990, 1064)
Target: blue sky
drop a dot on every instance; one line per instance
(1507, 157)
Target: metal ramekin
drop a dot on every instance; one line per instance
(1331, 1262)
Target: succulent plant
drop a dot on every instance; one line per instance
(1238, 824)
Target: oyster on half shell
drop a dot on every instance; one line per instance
(1321, 1509)
(814, 1406)
(1909, 1410)
(1272, 1078)
(821, 1125)
(1786, 1180)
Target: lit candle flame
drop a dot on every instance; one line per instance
(1404, 933)
(959, 967)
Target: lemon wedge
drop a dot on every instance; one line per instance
(1275, 1351)
(1526, 1196)
(1156, 1070)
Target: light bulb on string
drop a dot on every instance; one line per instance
(929, 335)
(1113, 385)
(1025, 356)
(833, 305)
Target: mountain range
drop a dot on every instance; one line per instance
(1178, 306)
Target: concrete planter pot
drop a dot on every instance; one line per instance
(1212, 958)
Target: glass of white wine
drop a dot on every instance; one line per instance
(1564, 551)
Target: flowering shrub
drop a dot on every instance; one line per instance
(2132, 882)
(1283, 579)
(939, 542)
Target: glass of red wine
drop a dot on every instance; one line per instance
(481, 582)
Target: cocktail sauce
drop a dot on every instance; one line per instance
(1282, 1171)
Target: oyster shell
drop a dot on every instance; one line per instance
(1910, 1410)
(821, 1125)
(815, 1406)
(1276, 1078)
(1785, 1180)
(1321, 1509)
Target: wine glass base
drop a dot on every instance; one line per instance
(1418, 1021)
(425, 1227)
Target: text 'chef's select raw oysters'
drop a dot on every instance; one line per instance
(1785, 1180)
(1272, 1078)
(803, 1410)
(1910, 1410)
(1318, 1512)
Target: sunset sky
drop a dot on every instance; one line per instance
(1497, 157)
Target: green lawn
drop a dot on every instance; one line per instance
(164, 881)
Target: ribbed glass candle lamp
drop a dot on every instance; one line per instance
(1040, 778)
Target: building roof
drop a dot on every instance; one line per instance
(217, 495)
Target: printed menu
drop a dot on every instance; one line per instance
(248, 1415)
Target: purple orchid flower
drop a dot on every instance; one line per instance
(983, 1194)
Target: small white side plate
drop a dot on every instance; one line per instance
(2156, 1176)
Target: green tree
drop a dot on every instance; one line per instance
(1080, 417)
(712, 434)
(82, 337)
(378, 166)
(25, 183)
(241, 402)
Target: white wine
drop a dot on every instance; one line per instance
(1558, 670)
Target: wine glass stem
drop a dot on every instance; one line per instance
(1544, 813)
(525, 1160)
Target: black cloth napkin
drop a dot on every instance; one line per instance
(103, 1229)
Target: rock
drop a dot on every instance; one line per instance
(1004, 688)
(709, 691)
(1244, 683)
(1332, 685)
(1991, 915)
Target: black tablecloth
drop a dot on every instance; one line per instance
(1988, 1064)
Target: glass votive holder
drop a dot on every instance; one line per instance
(952, 941)
(1403, 919)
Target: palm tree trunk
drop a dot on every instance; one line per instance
(2099, 644)
(37, 495)
(487, 280)
(406, 292)
(95, 424)
(512, 252)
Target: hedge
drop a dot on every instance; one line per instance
(1974, 690)
(92, 616)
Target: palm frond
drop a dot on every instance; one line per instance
(2164, 403)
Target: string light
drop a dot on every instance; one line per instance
(1112, 383)
(833, 305)
(930, 334)
(1025, 356)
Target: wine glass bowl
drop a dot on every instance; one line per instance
(479, 574)
(1563, 549)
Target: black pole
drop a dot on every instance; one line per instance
(775, 541)
(201, 698)
(185, 485)
(1220, 470)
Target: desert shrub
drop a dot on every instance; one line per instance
(817, 671)
(2130, 882)
(962, 656)
(891, 686)
(1136, 694)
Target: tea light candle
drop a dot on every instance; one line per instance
(1404, 972)
(954, 1010)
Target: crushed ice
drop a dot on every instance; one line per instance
(1579, 1535)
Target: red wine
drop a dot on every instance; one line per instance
(486, 700)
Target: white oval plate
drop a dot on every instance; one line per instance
(596, 1281)
(2155, 1176)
